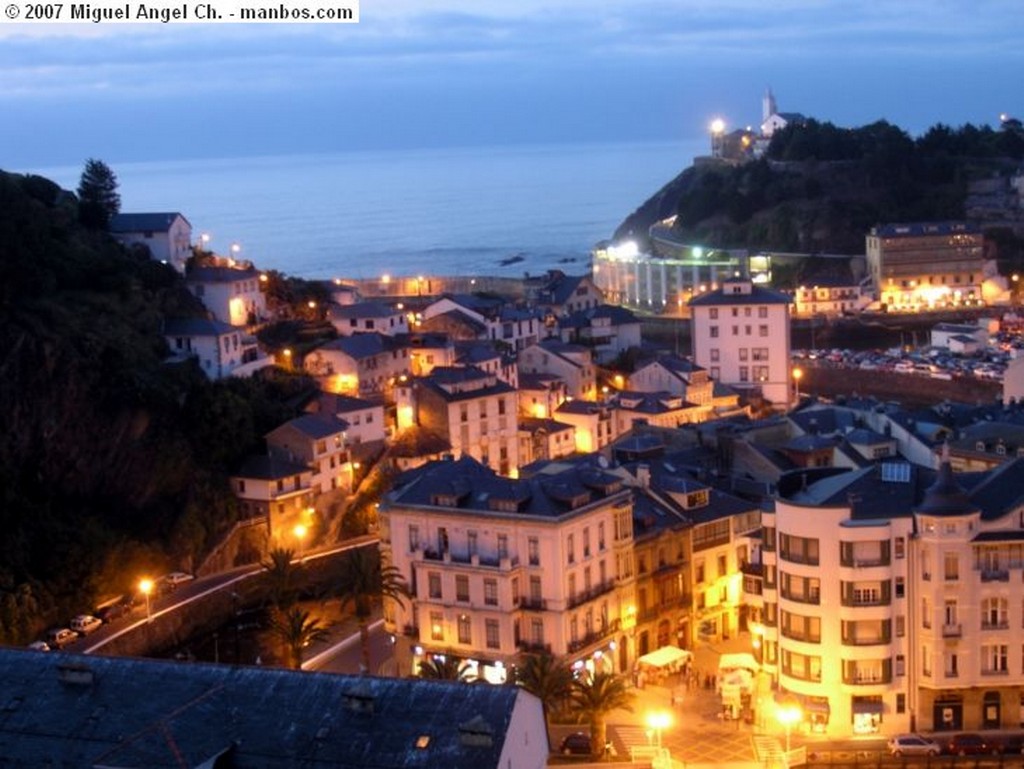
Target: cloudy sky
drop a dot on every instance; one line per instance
(427, 73)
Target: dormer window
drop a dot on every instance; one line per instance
(1001, 450)
(979, 446)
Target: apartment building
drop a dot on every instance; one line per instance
(887, 601)
(926, 265)
(498, 567)
(741, 336)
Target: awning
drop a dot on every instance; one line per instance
(816, 706)
(868, 707)
(742, 661)
(666, 655)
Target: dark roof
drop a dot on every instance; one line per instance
(863, 436)
(89, 711)
(457, 318)
(805, 443)
(536, 424)
(537, 381)
(316, 425)
(917, 229)
(362, 310)
(1000, 490)
(446, 381)
(335, 403)
(946, 496)
(359, 346)
(651, 403)
(154, 222)
(560, 288)
(197, 327)
(220, 274)
(466, 484)
(475, 351)
(618, 316)
(757, 295)
(269, 468)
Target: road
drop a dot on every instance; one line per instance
(344, 653)
(194, 590)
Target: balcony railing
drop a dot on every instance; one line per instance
(533, 647)
(1001, 625)
(885, 638)
(531, 604)
(995, 575)
(589, 595)
(811, 598)
(882, 600)
(868, 678)
(952, 631)
(594, 637)
(865, 563)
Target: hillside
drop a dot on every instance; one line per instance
(821, 188)
(112, 463)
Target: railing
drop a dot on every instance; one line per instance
(854, 641)
(868, 678)
(995, 575)
(533, 647)
(589, 595)
(809, 598)
(1001, 625)
(865, 563)
(952, 631)
(882, 600)
(594, 636)
(530, 603)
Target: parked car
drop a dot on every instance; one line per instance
(913, 745)
(967, 745)
(84, 624)
(39, 646)
(577, 743)
(60, 637)
(174, 579)
(1010, 744)
(115, 610)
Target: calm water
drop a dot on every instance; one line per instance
(453, 211)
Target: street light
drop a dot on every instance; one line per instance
(658, 721)
(146, 587)
(788, 714)
(717, 131)
(798, 374)
(300, 532)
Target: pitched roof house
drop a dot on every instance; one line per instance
(168, 236)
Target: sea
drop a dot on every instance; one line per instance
(504, 211)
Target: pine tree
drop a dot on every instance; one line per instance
(98, 200)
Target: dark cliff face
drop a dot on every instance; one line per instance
(821, 188)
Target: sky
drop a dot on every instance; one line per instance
(453, 73)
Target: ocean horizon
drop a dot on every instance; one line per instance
(496, 211)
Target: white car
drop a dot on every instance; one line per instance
(175, 578)
(913, 745)
(84, 624)
(39, 646)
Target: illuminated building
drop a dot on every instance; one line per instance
(926, 265)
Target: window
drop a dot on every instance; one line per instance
(471, 542)
(762, 330)
(722, 565)
(715, 355)
(901, 587)
(735, 330)
(699, 572)
(434, 584)
(994, 658)
(735, 312)
(744, 373)
(465, 637)
(994, 614)
(900, 547)
(901, 665)
(461, 587)
(762, 312)
(798, 549)
(491, 592)
(901, 625)
(951, 567)
(744, 354)
(951, 664)
(537, 631)
(716, 373)
(760, 354)
(600, 536)
(586, 542)
(533, 551)
(713, 313)
(746, 330)
(436, 626)
(491, 630)
(414, 538)
(503, 546)
(801, 666)
(760, 373)
(713, 331)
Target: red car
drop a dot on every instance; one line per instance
(967, 745)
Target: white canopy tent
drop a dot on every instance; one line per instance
(665, 656)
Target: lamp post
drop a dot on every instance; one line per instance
(788, 715)
(658, 721)
(146, 587)
(717, 132)
(300, 532)
(798, 374)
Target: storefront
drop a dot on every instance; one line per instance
(948, 714)
(867, 714)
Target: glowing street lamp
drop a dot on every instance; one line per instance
(788, 714)
(798, 374)
(146, 587)
(300, 531)
(204, 241)
(717, 132)
(658, 721)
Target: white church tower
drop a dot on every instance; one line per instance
(768, 107)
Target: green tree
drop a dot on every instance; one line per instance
(594, 697)
(445, 667)
(279, 578)
(98, 199)
(363, 581)
(296, 630)
(549, 679)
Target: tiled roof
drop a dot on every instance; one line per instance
(221, 274)
(316, 425)
(87, 711)
(359, 346)
(269, 468)
(757, 295)
(197, 327)
(153, 222)
(362, 310)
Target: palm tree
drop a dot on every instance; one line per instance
(364, 580)
(445, 667)
(279, 577)
(296, 630)
(547, 678)
(594, 697)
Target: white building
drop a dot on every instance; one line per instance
(572, 363)
(220, 349)
(499, 567)
(362, 317)
(741, 335)
(168, 236)
(232, 294)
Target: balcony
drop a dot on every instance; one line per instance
(593, 637)
(533, 647)
(1002, 625)
(865, 563)
(995, 575)
(813, 598)
(882, 600)
(952, 631)
(868, 678)
(531, 604)
(753, 569)
(878, 640)
(995, 671)
(589, 595)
